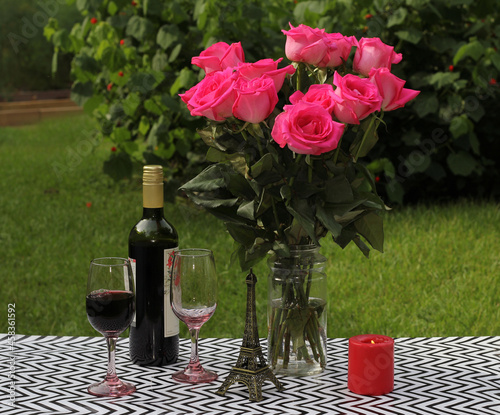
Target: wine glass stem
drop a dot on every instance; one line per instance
(111, 375)
(194, 360)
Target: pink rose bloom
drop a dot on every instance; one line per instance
(373, 53)
(307, 128)
(390, 87)
(219, 56)
(305, 44)
(265, 67)
(316, 47)
(255, 99)
(213, 97)
(359, 96)
(339, 49)
(321, 94)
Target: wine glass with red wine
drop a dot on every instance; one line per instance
(110, 304)
(193, 297)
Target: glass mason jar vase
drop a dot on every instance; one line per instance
(297, 312)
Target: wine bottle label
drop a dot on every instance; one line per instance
(133, 264)
(171, 322)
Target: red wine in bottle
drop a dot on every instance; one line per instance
(154, 332)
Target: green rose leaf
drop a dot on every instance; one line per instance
(338, 190)
(241, 233)
(327, 217)
(210, 179)
(302, 213)
(371, 227)
(366, 138)
(247, 210)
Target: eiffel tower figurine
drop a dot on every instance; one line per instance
(251, 367)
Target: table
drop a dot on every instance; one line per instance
(448, 375)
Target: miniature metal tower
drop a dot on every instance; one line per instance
(251, 367)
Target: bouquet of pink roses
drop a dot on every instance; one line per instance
(285, 145)
(286, 141)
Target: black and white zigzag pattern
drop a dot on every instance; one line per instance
(433, 376)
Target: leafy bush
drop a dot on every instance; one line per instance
(132, 58)
(446, 144)
(26, 55)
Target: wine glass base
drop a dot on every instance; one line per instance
(189, 376)
(106, 388)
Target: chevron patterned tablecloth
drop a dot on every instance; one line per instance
(49, 375)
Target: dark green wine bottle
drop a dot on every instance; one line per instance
(154, 333)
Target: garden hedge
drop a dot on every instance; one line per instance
(132, 58)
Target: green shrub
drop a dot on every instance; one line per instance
(444, 143)
(131, 59)
(25, 61)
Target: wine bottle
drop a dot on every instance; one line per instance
(154, 332)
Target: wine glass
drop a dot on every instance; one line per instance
(193, 296)
(110, 304)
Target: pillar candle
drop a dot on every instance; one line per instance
(371, 364)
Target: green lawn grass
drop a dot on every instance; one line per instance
(439, 275)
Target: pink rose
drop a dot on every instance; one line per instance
(321, 94)
(219, 56)
(390, 87)
(339, 49)
(265, 67)
(255, 99)
(307, 128)
(316, 47)
(213, 97)
(304, 44)
(373, 53)
(359, 98)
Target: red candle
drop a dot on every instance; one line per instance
(371, 364)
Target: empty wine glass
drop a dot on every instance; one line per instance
(194, 299)
(110, 304)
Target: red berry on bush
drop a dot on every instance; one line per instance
(89, 204)
(110, 85)
(493, 81)
(368, 16)
(113, 149)
(122, 42)
(93, 20)
(120, 73)
(133, 3)
(450, 68)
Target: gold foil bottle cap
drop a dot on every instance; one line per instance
(152, 174)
